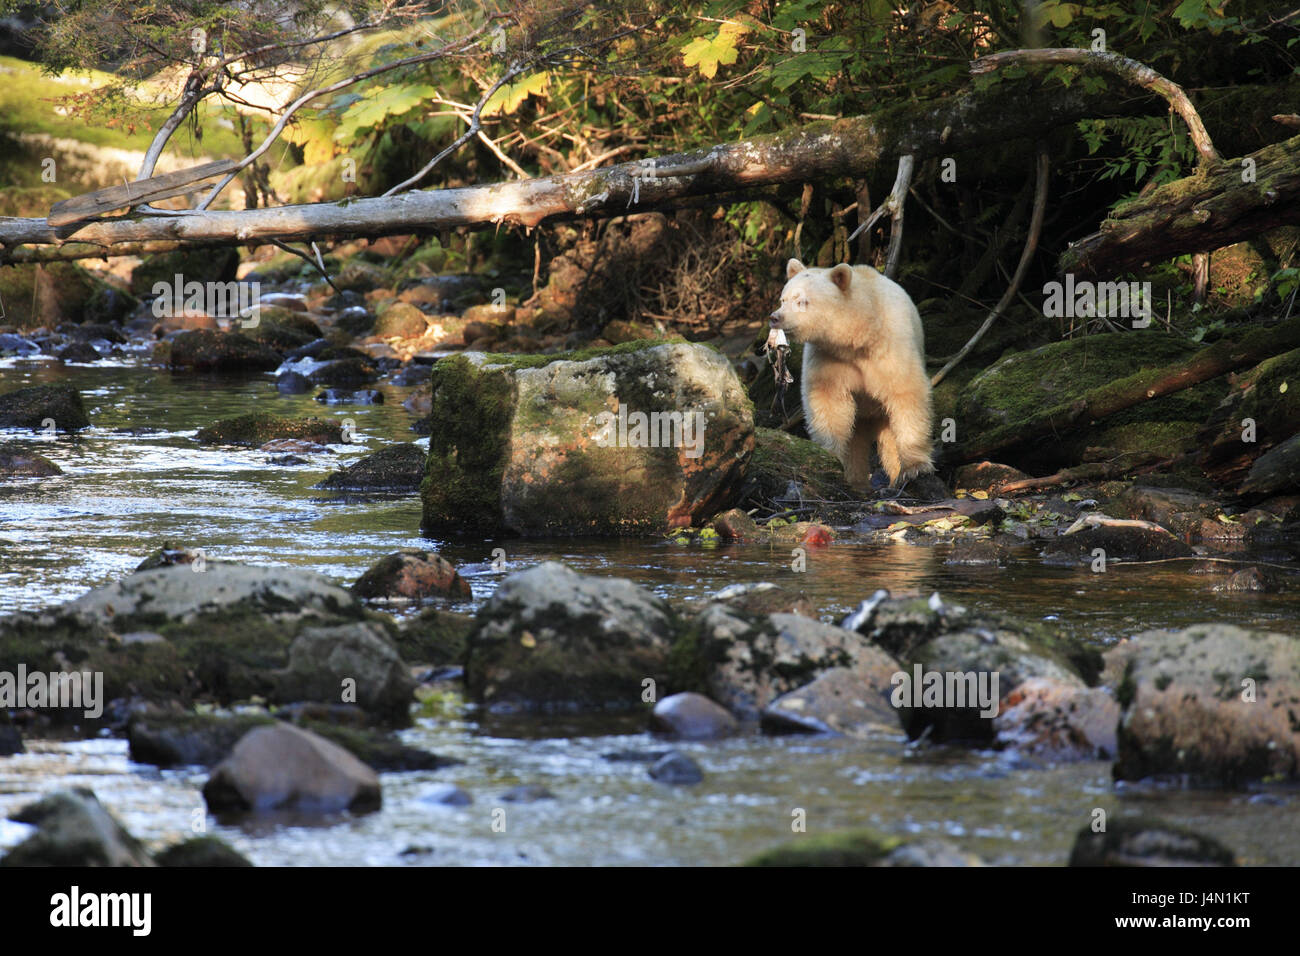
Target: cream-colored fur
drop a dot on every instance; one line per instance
(864, 379)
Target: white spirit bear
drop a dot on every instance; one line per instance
(864, 380)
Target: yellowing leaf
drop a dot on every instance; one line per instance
(708, 52)
(512, 95)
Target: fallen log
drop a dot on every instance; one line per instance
(1223, 356)
(1217, 206)
(829, 148)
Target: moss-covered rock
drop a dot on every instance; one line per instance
(785, 466)
(74, 829)
(283, 329)
(258, 428)
(1213, 703)
(1144, 842)
(435, 636)
(205, 851)
(550, 640)
(560, 444)
(51, 293)
(36, 406)
(397, 468)
(401, 320)
(1260, 411)
(1020, 385)
(842, 848)
(228, 352)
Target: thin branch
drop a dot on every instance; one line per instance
(1031, 245)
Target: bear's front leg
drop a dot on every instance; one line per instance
(905, 443)
(829, 412)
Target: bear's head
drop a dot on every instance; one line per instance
(814, 300)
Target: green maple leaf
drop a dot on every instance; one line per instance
(708, 52)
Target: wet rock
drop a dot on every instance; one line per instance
(1254, 579)
(930, 852)
(676, 768)
(287, 461)
(411, 574)
(359, 277)
(341, 396)
(413, 374)
(292, 446)
(981, 551)
(292, 383)
(526, 793)
(283, 328)
(204, 851)
(19, 462)
(1116, 543)
(356, 320)
(168, 555)
(447, 795)
(395, 468)
(281, 767)
(534, 445)
(635, 756)
(82, 352)
(763, 597)
(258, 428)
(227, 352)
(1137, 842)
(400, 320)
(1059, 722)
(420, 402)
(840, 701)
(986, 476)
(1214, 702)
(17, 345)
(745, 661)
(692, 716)
(74, 829)
(33, 407)
(968, 650)
(179, 739)
(11, 739)
(435, 636)
(736, 525)
(842, 848)
(344, 373)
(358, 658)
(551, 640)
(1275, 471)
(379, 750)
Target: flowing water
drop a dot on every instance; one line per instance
(137, 477)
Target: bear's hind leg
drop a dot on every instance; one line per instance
(857, 460)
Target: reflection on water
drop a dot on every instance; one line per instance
(137, 478)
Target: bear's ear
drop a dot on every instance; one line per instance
(793, 268)
(842, 275)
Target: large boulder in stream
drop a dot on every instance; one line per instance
(554, 641)
(637, 438)
(222, 633)
(44, 406)
(74, 829)
(227, 352)
(1212, 703)
(282, 767)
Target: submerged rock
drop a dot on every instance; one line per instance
(676, 768)
(19, 462)
(692, 716)
(1212, 701)
(1129, 842)
(447, 795)
(844, 848)
(281, 767)
(527, 793)
(258, 428)
(395, 468)
(343, 396)
(232, 352)
(44, 406)
(74, 829)
(411, 574)
(551, 640)
(203, 851)
(565, 444)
